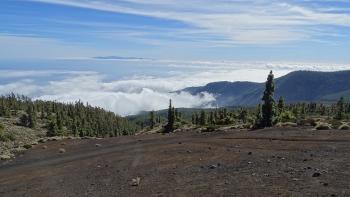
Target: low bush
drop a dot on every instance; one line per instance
(5, 137)
(211, 128)
(27, 146)
(286, 116)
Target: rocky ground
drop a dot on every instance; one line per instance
(270, 162)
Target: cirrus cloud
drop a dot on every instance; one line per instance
(235, 22)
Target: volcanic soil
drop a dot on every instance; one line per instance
(269, 162)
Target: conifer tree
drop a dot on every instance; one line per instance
(243, 115)
(31, 117)
(268, 111)
(152, 119)
(340, 109)
(258, 117)
(211, 118)
(280, 105)
(23, 120)
(193, 118)
(171, 118)
(52, 128)
(303, 111)
(203, 118)
(197, 119)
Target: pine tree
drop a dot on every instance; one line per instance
(152, 119)
(59, 122)
(280, 105)
(171, 118)
(211, 118)
(203, 118)
(52, 128)
(23, 120)
(193, 118)
(176, 114)
(31, 117)
(197, 119)
(340, 109)
(303, 111)
(243, 115)
(258, 117)
(268, 110)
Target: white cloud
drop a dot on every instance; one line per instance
(25, 87)
(239, 22)
(124, 97)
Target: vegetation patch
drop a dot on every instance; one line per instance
(27, 146)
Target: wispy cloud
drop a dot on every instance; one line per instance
(238, 22)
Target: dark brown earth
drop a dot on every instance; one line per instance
(271, 162)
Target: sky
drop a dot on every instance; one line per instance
(131, 55)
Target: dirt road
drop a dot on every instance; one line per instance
(271, 162)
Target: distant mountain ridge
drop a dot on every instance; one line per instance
(297, 86)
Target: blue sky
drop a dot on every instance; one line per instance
(48, 48)
(303, 30)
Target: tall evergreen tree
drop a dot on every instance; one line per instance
(340, 109)
(197, 119)
(258, 117)
(31, 117)
(171, 118)
(193, 118)
(243, 115)
(203, 118)
(268, 111)
(211, 118)
(280, 105)
(152, 119)
(23, 120)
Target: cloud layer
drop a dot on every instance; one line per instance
(133, 94)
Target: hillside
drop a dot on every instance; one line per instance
(298, 86)
(24, 123)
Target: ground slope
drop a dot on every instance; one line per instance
(271, 162)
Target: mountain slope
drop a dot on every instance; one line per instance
(294, 87)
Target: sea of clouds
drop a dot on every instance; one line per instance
(132, 94)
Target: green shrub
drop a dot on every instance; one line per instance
(286, 116)
(210, 128)
(27, 146)
(4, 136)
(10, 136)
